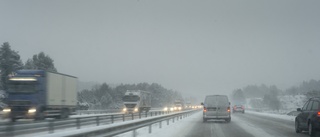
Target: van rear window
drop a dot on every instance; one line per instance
(216, 101)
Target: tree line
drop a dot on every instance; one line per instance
(103, 96)
(10, 61)
(267, 96)
(98, 97)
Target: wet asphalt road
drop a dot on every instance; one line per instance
(244, 125)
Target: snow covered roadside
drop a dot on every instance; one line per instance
(71, 131)
(285, 117)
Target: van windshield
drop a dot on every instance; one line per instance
(212, 101)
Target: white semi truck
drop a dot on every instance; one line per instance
(38, 94)
(136, 101)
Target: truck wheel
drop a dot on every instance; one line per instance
(13, 119)
(64, 114)
(40, 116)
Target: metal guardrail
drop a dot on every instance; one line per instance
(12, 128)
(133, 126)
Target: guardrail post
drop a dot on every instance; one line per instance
(139, 115)
(123, 119)
(97, 120)
(10, 129)
(132, 116)
(151, 114)
(146, 114)
(51, 126)
(155, 113)
(150, 130)
(134, 133)
(160, 124)
(167, 121)
(177, 118)
(112, 120)
(78, 123)
(173, 120)
(180, 116)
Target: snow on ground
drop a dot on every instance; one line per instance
(280, 116)
(290, 102)
(70, 131)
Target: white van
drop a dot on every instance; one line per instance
(216, 107)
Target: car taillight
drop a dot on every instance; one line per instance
(228, 109)
(204, 109)
(318, 114)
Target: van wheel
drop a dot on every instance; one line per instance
(204, 120)
(228, 120)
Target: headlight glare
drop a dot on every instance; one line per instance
(32, 110)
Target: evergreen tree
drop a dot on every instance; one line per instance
(41, 62)
(9, 62)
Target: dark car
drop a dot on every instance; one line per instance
(309, 117)
(238, 108)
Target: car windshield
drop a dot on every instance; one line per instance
(167, 68)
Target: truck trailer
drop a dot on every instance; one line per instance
(136, 101)
(39, 94)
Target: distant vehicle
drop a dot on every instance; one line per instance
(178, 105)
(136, 101)
(238, 108)
(39, 94)
(169, 108)
(216, 107)
(309, 118)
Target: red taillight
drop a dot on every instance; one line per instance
(204, 109)
(228, 109)
(318, 113)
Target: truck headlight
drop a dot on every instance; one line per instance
(6, 110)
(125, 109)
(136, 109)
(32, 110)
(171, 109)
(165, 109)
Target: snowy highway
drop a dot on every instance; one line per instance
(250, 124)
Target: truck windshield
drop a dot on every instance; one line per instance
(130, 98)
(22, 87)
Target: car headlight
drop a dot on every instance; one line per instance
(6, 110)
(125, 109)
(136, 109)
(179, 108)
(32, 110)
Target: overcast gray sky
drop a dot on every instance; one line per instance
(193, 46)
